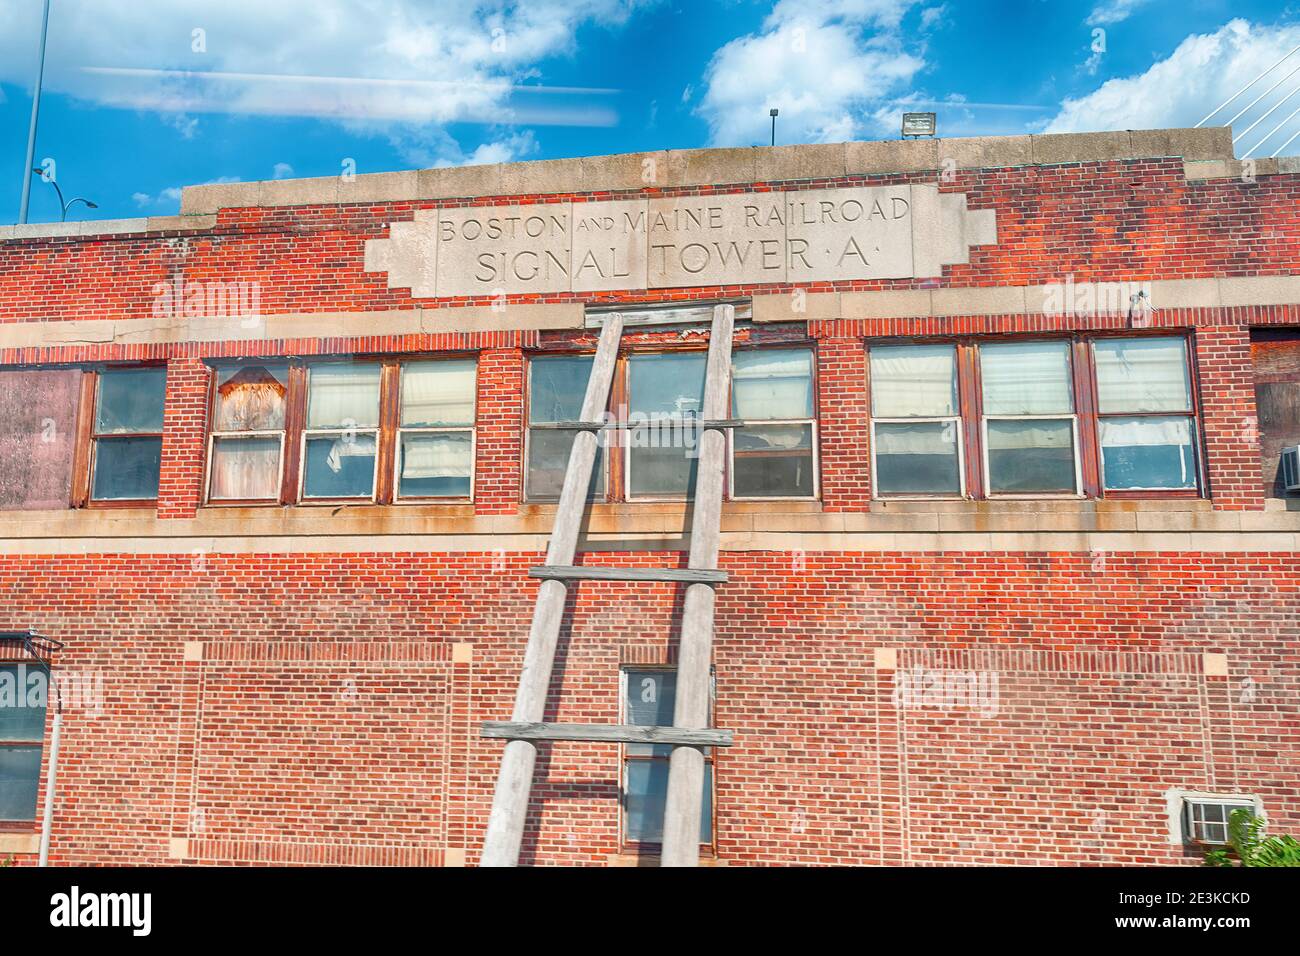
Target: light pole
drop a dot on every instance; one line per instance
(772, 113)
(71, 202)
(36, 112)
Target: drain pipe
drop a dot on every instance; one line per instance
(47, 819)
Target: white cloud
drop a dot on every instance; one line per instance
(281, 171)
(1202, 72)
(376, 65)
(1113, 11)
(825, 64)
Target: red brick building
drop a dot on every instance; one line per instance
(1013, 572)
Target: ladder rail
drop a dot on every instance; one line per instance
(514, 782)
(681, 832)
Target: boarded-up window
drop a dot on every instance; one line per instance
(38, 414)
(1276, 357)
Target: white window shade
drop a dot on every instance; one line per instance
(1145, 432)
(1026, 378)
(1032, 433)
(343, 396)
(437, 456)
(929, 438)
(913, 381)
(438, 393)
(1142, 375)
(775, 384)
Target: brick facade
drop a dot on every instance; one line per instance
(305, 685)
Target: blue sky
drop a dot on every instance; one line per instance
(144, 97)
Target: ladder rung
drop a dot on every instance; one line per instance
(609, 733)
(562, 572)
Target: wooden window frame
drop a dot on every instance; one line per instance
(617, 457)
(967, 411)
(85, 454)
(399, 430)
(387, 433)
(28, 826)
(1193, 414)
(624, 758)
(972, 455)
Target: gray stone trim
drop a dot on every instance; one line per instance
(108, 227)
(697, 167)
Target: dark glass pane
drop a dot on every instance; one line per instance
(557, 386)
(773, 461)
(20, 776)
(548, 458)
(126, 468)
(666, 384)
(649, 703)
(1147, 452)
(131, 400)
(24, 690)
(436, 465)
(917, 458)
(647, 793)
(664, 471)
(340, 466)
(1031, 457)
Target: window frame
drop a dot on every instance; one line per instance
(964, 398)
(399, 429)
(385, 482)
(617, 460)
(26, 826)
(1072, 418)
(1198, 490)
(85, 458)
(213, 435)
(624, 758)
(973, 442)
(762, 422)
(1229, 804)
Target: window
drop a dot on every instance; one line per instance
(659, 398)
(247, 442)
(23, 691)
(341, 437)
(557, 385)
(1015, 418)
(648, 696)
(435, 436)
(1205, 820)
(1145, 414)
(1029, 424)
(343, 431)
(38, 432)
(915, 420)
(774, 453)
(126, 437)
(665, 393)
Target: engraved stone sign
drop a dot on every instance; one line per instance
(749, 238)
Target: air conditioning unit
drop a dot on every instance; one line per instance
(1291, 468)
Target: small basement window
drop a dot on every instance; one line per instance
(1205, 820)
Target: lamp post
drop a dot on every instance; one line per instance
(71, 202)
(772, 113)
(36, 112)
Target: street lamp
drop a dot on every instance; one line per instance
(772, 113)
(71, 202)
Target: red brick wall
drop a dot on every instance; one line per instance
(1228, 418)
(1128, 219)
(185, 427)
(328, 721)
(843, 408)
(498, 486)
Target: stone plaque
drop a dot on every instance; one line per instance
(861, 233)
(495, 250)
(717, 240)
(750, 238)
(609, 247)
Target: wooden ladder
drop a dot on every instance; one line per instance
(690, 731)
